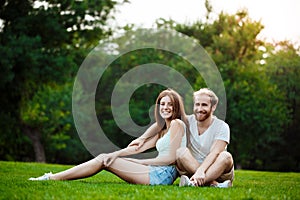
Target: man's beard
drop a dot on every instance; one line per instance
(203, 117)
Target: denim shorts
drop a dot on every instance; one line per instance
(162, 175)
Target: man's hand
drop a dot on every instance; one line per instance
(138, 143)
(198, 178)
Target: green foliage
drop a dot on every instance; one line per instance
(256, 120)
(256, 109)
(283, 66)
(43, 42)
(247, 185)
(143, 99)
(49, 110)
(42, 46)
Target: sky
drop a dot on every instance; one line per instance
(281, 18)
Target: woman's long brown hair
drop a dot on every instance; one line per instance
(178, 109)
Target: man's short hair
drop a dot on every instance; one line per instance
(213, 97)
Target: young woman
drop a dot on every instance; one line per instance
(170, 117)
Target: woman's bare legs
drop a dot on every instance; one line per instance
(125, 169)
(83, 170)
(129, 171)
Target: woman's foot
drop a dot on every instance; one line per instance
(45, 177)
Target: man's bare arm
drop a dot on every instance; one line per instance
(199, 177)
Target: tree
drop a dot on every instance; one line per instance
(144, 96)
(43, 42)
(283, 66)
(256, 108)
(46, 118)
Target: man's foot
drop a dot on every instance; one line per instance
(225, 184)
(45, 177)
(185, 181)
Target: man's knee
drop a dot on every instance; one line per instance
(226, 158)
(180, 152)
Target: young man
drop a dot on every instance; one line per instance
(205, 160)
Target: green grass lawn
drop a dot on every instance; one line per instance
(14, 184)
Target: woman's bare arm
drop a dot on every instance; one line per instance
(150, 132)
(130, 150)
(177, 130)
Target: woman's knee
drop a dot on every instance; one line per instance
(99, 159)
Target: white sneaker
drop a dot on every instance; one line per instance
(185, 181)
(45, 177)
(225, 184)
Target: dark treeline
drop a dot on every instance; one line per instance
(43, 46)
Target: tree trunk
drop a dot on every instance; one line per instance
(35, 137)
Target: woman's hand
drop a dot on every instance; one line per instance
(138, 143)
(109, 158)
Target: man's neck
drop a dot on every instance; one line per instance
(206, 123)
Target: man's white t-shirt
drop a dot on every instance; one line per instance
(201, 144)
